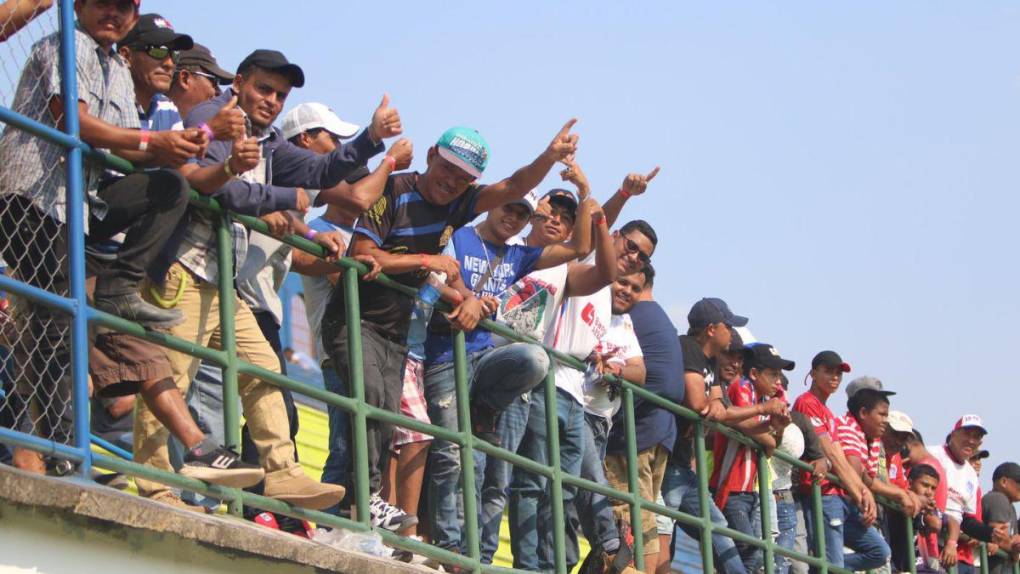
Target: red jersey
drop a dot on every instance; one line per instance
(735, 467)
(897, 474)
(824, 423)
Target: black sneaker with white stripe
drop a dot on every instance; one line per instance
(220, 465)
(385, 515)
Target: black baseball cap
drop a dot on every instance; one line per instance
(981, 454)
(711, 310)
(155, 30)
(1007, 470)
(275, 62)
(830, 359)
(563, 196)
(765, 356)
(200, 56)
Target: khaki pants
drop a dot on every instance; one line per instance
(262, 402)
(651, 468)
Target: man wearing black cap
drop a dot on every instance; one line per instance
(197, 78)
(827, 370)
(710, 323)
(734, 479)
(999, 512)
(187, 275)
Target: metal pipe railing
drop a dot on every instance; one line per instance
(76, 306)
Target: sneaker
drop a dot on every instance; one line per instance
(220, 465)
(168, 497)
(133, 308)
(292, 485)
(389, 517)
(483, 422)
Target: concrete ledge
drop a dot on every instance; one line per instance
(52, 508)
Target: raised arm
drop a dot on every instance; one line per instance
(633, 184)
(528, 177)
(366, 191)
(583, 279)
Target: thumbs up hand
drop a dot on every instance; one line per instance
(385, 121)
(636, 184)
(228, 123)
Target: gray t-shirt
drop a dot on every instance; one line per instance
(996, 507)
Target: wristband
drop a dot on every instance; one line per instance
(624, 193)
(226, 166)
(208, 131)
(143, 140)
(601, 220)
(310, 234)
(391, 161)
(424, 262)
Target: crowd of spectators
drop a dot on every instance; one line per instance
(156, 97)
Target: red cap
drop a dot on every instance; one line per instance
(972, 421)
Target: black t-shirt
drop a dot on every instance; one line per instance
(402, 221)
(996, 507)
(695, 361)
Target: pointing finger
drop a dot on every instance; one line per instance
(651, 175)
(566, 127)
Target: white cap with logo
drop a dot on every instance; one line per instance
(900, 422)
(312, 116)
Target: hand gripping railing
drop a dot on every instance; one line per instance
(227, 359)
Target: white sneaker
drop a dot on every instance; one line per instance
(385, 515)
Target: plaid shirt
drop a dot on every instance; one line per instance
(33, 167)
(197, 250)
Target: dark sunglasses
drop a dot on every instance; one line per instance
(213, 79)
(160, 53)
(631, 247)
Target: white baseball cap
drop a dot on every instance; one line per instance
(314, 115)
(900, 422)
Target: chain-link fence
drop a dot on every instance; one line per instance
(34, 339)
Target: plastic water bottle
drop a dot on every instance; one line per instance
(430, 291)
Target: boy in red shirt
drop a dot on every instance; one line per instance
(735, 472)
(827, 370)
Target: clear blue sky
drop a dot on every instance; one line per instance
(843, 174)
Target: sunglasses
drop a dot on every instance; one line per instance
(160, 53)
(213, 79)
(631, 247)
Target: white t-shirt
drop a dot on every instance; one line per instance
(621, 344)
(318, 290)
(531, 305)
(793, 445)
(583, 322)
(961, 481)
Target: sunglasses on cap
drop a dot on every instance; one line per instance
(631, 247)
(160, 52)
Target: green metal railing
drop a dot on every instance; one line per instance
(232, 366)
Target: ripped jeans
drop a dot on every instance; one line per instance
(501, 375)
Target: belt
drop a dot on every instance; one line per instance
(784, 495)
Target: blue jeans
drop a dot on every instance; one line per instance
(591, 510)
(531, 532)
(680, 491)
(743, 513)
(335, 470)
(843, 527)
(786, 515)
(499, 377)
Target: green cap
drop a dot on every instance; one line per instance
(464, 148)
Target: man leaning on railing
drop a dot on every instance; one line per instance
(145, 206)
